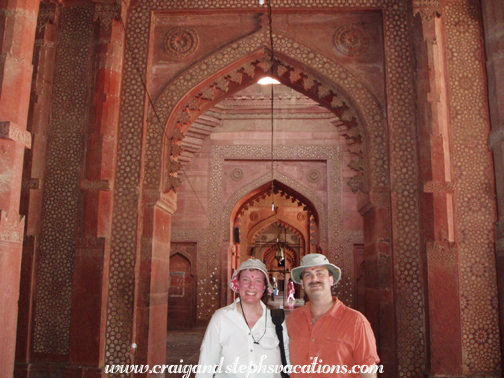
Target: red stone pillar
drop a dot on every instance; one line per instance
(17, 33)
(92, 252)
(153, 278)
(378, 276)
(445, 357)
(33, 173)
(493, 19)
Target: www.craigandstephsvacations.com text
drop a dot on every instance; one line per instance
(316, 367)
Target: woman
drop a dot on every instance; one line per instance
(243, 334)
(291, 291)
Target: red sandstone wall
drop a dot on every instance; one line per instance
(395, 241)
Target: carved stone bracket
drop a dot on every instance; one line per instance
(95, 185)
(106, 12)
(499, 247)
(439, 187)
(166, 206)
(33, 183)
(368, 206)
(46, 15)
(89, 246)
(357, 183)
(9, 130)
(496, 136)
(428, 9)
(442, 251)
(11, 227)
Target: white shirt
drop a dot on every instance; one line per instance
(228, 337)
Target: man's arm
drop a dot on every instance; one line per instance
(365, 348)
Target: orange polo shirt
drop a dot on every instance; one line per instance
(341, 336)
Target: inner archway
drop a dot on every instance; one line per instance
(273, 219)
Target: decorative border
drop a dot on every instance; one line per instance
(407, 248)
(475, 205)
(61, 196)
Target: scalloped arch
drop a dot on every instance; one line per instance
(263, 225)
(267, 222)
(301, 189)
(193, 91)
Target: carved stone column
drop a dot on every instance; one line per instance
(151, 292)
(34, 173)
(493, 20)
(458, 199)
(68, 117)
(379, 274)
(437, 197)
(92, 252)
(18, 20)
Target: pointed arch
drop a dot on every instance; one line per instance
(236, 199)
(290, 73)
(236, 66)
(268, 256)
(283, 222)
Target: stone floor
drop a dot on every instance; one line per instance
(183, 345)
(182, 348)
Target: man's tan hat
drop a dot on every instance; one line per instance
(249, 264)
(315, 259)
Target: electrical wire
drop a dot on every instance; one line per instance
(272, 57)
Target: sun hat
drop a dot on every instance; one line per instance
(315, 259)
(249, 264)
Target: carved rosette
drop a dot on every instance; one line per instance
(301, 217)
(314, 175)
(351, 40)
(237, 174)
(254, 216)
(181, 42)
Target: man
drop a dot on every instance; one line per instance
(326, 331)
